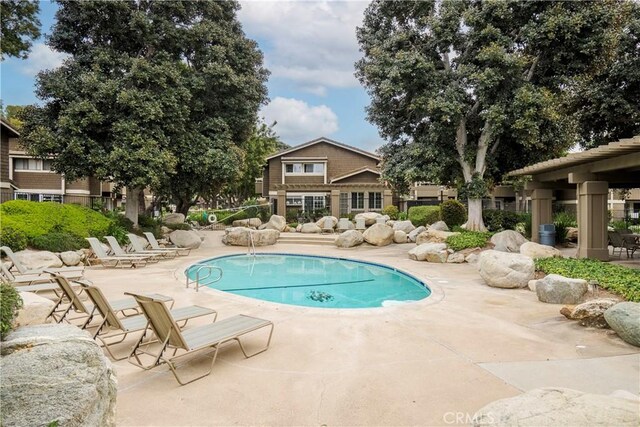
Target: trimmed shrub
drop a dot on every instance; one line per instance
(423, 215)
(59, 242)
(453, 213)
(468, 239)
(10, 302)
(15, 239)
(392, 211)
(497, 220)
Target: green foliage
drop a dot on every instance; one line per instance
(562, 221)
(402, 216)
(121, 220)
(59, 242)
(498, 220)
(256, 210)
(292, 214)
(475, 189)
(619, 225)
(147, 221)
(524, 226)
(423, 215)
(19, 26)
(453, 213)
(293, 225)
(179, 226)
(468, 239)
(15, 239)
(10, 302)
(392, 211)
(621, 280)
(227, 217)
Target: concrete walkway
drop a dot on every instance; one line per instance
(416, 364)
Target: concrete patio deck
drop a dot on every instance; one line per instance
(425, 363)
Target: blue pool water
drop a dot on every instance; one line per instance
(313, 281)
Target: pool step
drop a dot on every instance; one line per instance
(307, 239)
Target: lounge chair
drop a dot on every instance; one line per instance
(70, 300)
(344, 224)
(622, 241)
(117, 250)
(140, 250)
(360, 224)
(71, 272)
(27, 279)
(381, 220)
(155, 245)
(111, 326)
(171, 338)
(112, 261)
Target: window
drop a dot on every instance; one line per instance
(304, 168)
(357, 200)
(318, 202)
(51, 198)
(344, 203)
(294, 201)
(375, 200)
(31, 165)
(36, 197)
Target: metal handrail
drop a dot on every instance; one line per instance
(251, 246)
(210, 269)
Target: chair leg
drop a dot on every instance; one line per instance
(265, 348)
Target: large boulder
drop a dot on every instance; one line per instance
(556, 289)
(173, 218)
(370, 218)
(505, 270)
(249, 222)
(590, 313)
(239, 236)
(70, 258)
(38, 260)
(624, 318)
(35, 310)
(558, 407)
(276, 222)
(321, 222)
(439, 225)
(405, 226)
(536, 250)
(399, 236)
(433, 236)
(456, 258)
(185, 239)
(310, 227)
(415, 233)
(378, 235)
(349, 239)
(56, 373)
(430, 252)
(572, 234)
(508, 241)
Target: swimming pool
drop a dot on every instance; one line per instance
(313, 281)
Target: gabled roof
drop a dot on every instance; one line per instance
(325, 140)
(355, 172)
(7, 127)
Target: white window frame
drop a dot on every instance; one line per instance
(42, 197)
(356, 208)
(39, 163)
(375, 206)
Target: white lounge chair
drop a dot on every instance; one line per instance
(117, 250)
(138, 249)
(71, 272)
(155, 245)
(112, 261)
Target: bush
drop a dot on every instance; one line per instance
(227, 217)
(293, 225)
(15, 239)
(616, 278)
(562, 222)
(59, 242)
(145, 220)
(292, 214)
(120, 220)
(423, 215)
(619, 225)
(10, 302)
(179, 226)
(468, 239)
(392, 211)
(497, 220)
(402, 216)
(453, 213)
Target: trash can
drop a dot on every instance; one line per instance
(547, 234)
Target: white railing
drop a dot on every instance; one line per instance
(251, 247)
(209, 269)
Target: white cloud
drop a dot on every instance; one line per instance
(298, 121)
(42, 58)
(310, 42)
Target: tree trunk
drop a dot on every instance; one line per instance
(183, 205)
(132, 206)
(474, 222)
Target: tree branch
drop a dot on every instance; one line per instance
(532, 69)
(483, 145)
(461, 143)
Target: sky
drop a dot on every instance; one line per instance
(310, 47)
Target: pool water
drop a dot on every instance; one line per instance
(312, 281)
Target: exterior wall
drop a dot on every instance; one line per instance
(14, 145)
(299, 179)
(81, 184)
(364, 177)
(95, 188)
(4, 158)
(37, 181)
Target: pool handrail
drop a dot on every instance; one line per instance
(201, 267)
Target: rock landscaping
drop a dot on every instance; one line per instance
(185, 239)
(430, 252)
(508, 241)
(173, 218)
(439, 225)
(415, 233)
(349, 239)
(378, 235)
(239, 236)
(590, 313)
(35, 310)
(399, 237)
(624, 319)
(556, 289)
(249, 223)
(405, 226)
(276, 222)
(505, 270)
(434, 236)
(537, 251)
(310, 227)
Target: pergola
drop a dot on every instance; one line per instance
(592, 172)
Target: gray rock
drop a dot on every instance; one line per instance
(508, 241)
(624, 318)
(38, 260)
(505, 270)
(249, 222)
(165, 230)
(532, 285)
(56, 373)
(456, 258)
(185, 239)
(370, 218)
(405, 226)
(556, 289)
(173, 218)
(537, 251)
(415, 233)
(349, 239)
(378, 235)
(399, 236)
(321, 222)
(430, 252)
(239, 236)
(310, 227)
(572, 234)
(434, 236)
(439, 225)
(34, 311)
(471, 258)
(558, 407)
(276, 222)
(70, 258)
(590, 313)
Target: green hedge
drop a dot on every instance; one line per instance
(59, 242)
(16, 239)
(453, 213)
(423, 215)
(497, 220)
(616, 278)
(392, 211)
(10, 302)
(468, 239)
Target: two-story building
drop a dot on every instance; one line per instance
(325, 174)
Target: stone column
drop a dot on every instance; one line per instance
(541, 212)
(593, 240)
(387, 198)
(282, 203)
(335, 203)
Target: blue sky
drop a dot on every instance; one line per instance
(310, 48)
